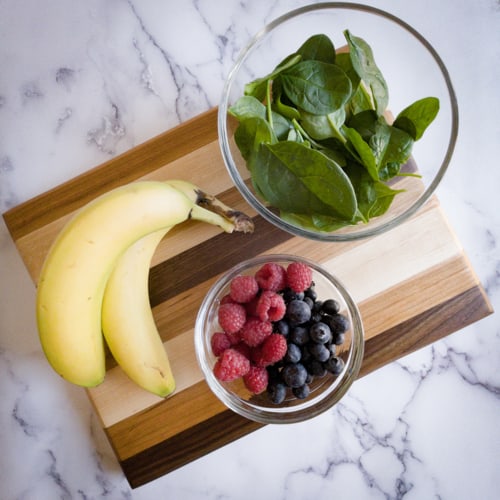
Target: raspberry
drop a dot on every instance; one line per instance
(231, 365)
(233, 337)
(255, 331)
(243, 349)
(256, 356)
(231, 317)
(271, 276)
(251, 307)
(243, 289)
(298, 276)
(270, 306)
(273, 349)
(226, 300)
(220, 342)
(256, 379)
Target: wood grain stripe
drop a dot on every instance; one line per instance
(194, 442)
(209, 259)
(435, 323)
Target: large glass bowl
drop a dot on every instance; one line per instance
(412, 70)
(325, 391)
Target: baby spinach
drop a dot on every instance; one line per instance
(318, 48)
(318, 183)
(315, 137)
(316, 87)
(418, 116)
(364, 64)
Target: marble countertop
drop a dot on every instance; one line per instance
(81, 82)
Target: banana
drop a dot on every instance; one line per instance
(128, 324)
(75, 272)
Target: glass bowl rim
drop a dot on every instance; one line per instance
(312, 406)
(259, 206)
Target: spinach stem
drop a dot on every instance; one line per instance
(338, 133)
(268, 103)
(304, 134)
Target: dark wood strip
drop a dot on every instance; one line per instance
(195, 442)
(426, 328)
(127, 167)
(214, 256)
(227, 426)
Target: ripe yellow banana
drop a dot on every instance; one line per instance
(128, 324)
(75, 272)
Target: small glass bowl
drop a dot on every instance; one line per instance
(412, 69)
(325, 391)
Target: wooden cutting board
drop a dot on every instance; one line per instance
(413, 285)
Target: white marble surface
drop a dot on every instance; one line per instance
(83, 81)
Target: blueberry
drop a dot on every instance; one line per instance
(316, 316)
(289, 295)
(320, 333)
(319, 352)
(306, 355)
(332, 348)
(317, 306)
(316, 368)
(293, 353)
(339, 338)
(294, 374)
(276, 392)
(282, 327)
(339, 323)
(309, 302)
(273, 373)
(331, 306)
(298, 312)
(299, 335)
(301, 392)
(335, 365)
(311, 293)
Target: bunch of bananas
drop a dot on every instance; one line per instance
(93, 287)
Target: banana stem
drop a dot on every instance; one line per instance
(228, 219)
(240, 221)
(204, 215)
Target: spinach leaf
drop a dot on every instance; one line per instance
(249, 134)
(316, 87)
(364, 64)
(390, 144)
(415, 119)
(284, 109)
(249, 107)
(389, 171)
(374, 197)
(361, 151)
(364, 122)
(258, 87)
(318, 48)
(324, 126)
(316, 222)
(360, 98)
(298, 179)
